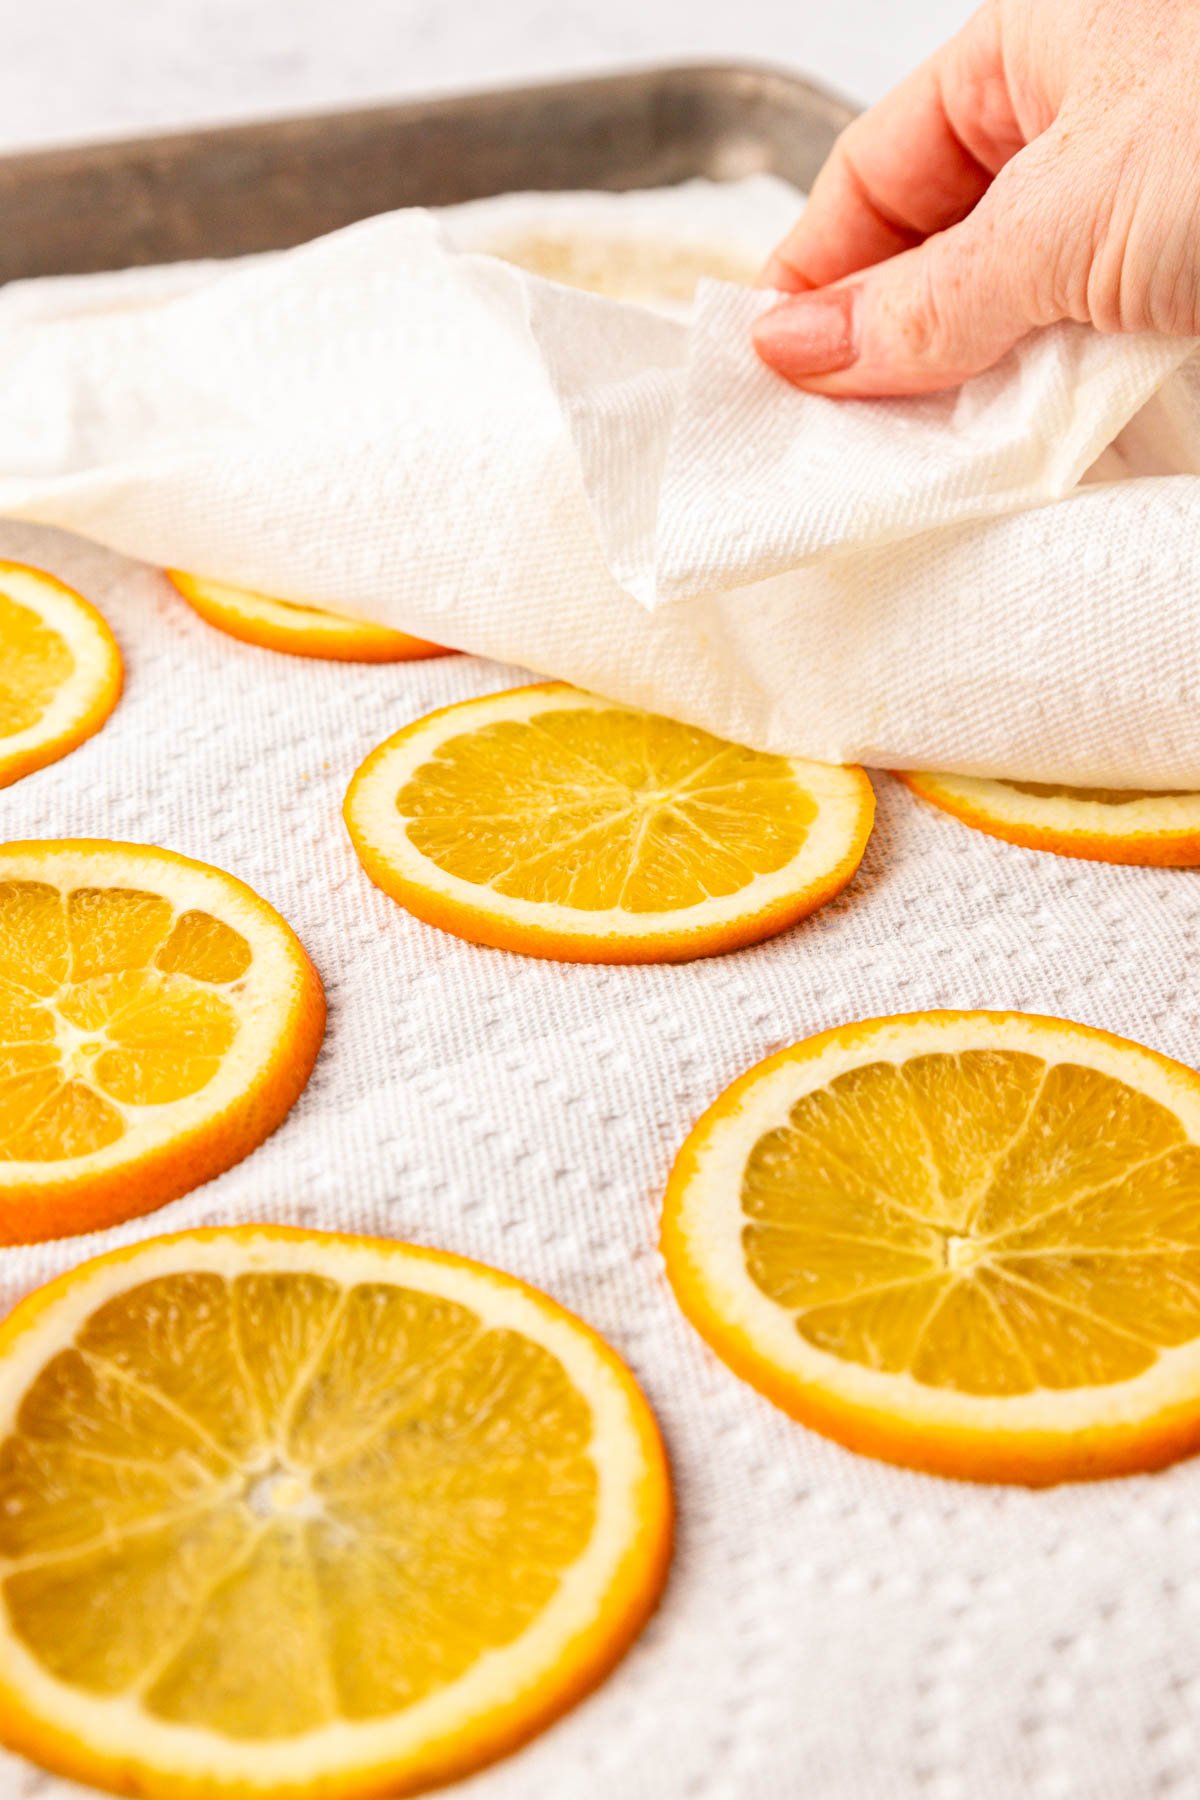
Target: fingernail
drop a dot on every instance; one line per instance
(812, 334)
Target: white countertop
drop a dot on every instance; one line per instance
(75, 69)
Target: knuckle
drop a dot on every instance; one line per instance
(1110, 233)
(1174, 300)
(1143, 270)
(1041, 209)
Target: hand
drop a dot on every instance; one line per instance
(1041, 166)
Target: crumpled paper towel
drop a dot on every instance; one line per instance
(389, 421)
(720, 474)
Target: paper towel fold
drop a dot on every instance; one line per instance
(390, 422)
(743, 477)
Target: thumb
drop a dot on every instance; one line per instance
(929, 317)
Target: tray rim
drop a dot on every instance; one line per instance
(46, 159)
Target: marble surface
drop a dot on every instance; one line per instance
(75, 69)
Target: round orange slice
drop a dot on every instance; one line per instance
(290, 1514)
(964, 1242)
(642, 269)
(157, 1021)
(1160, 828)
(60, 670)
(549, 821)
(299, 630)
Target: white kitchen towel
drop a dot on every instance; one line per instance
(833, 1629)
(392, 422)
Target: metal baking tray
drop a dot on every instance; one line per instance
(231, 190)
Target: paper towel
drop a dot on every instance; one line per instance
(388, 421)
(832, 1626)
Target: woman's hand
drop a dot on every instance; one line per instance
(1043, 165)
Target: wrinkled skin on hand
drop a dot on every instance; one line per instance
(1041, 166)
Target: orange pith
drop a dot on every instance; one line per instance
(549, 821)
(369, 1516)
(60, 670)
(157, 1020)
(1151, 827)
(298, 630)
(966, 1242)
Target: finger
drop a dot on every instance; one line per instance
(934, 315)
(914, 164)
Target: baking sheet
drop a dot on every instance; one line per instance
(239, 189)
(831, 1626)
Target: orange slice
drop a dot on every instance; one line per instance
(298, 630)
(549, 821)
(624, 268)
(1117, 825)
(965, 1242)
(60, 670)
(284, 1513)
(157, 1020)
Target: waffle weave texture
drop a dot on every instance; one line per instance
(832, 1627)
